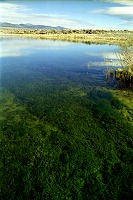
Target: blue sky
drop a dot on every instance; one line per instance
(86, 14)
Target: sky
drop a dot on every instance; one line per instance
(78, 14)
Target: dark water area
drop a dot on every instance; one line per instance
(66, 131)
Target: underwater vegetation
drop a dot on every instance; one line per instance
(65, 141)
(65, 133)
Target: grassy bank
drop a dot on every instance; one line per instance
(90, 36)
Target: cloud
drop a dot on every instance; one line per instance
(49, 15)
(123, 2)
(12, 8)
(125, 13)
(125, 10)
(17, 13)
(14, 13)
(8, 10)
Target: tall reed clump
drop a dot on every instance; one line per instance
(125, 73)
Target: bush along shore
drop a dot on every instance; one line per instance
(117, 37)
(124, 75)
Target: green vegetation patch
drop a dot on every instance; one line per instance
(66, 141)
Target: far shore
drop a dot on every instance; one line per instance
(120, 38)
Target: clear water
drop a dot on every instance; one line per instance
(38, 60)
(65, 131)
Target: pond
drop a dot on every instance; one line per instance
(43, 60)
(66, 131)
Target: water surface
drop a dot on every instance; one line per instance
(66, 132)
(46, 59)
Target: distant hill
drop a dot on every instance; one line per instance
(29, 26)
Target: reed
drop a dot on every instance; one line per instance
(124, 74)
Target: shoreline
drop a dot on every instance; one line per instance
(120, 39)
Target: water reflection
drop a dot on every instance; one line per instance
(39, 60)
(15, 46)
(12, 46)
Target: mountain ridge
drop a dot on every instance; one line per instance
(29, 26)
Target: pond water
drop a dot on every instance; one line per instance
(65, 129)
(37, 60)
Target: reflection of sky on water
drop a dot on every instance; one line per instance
(11, 46)
(109, 59)
(105, 55)
(36, 57)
